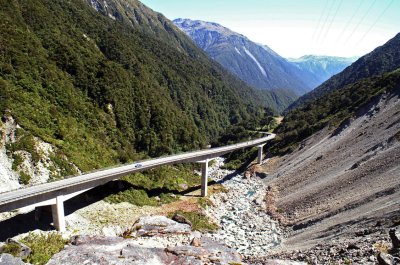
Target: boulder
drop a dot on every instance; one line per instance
(116, 250)
(8, 259)
(196, 242)
(158, 225)
(181, 219)
(394, 234)
(384, 259)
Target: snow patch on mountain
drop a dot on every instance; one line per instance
(236, 49)
(255, 60)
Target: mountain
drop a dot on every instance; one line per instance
(337, 173)
(87, 84)
(256, 64)
(381, 60)
(336, 102)
(342, 181)
(322, 67)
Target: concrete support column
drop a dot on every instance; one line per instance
(260, 154)
(204, 177)
(57, 211)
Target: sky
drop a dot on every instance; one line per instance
(293, 28)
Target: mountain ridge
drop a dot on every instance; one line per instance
(322, 66)
(256, 64)
(382, 59)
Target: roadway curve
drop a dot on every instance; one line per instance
(36, 194)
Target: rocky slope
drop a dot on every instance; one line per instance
(256, 64)
(322, 67)
(342, 187)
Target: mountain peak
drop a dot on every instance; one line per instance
(187, 25)
(254, 63)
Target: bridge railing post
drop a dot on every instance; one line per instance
(57, 211)
(204, 177)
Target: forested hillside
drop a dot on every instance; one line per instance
(381, 60)
(337, 100)
(104, 89)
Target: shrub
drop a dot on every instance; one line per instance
(43, 246)
(24, 178)
(18, 160)
(200, 222)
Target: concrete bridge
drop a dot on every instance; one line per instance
(55, 193)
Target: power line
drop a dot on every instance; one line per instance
(351, 19)
(331, 22)
(359, 22)
(320, 19)
(326, 19)
(376, 21)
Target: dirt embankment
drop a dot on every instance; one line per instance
(339, 183)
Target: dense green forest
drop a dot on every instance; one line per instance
(334, 110)
(105, 90)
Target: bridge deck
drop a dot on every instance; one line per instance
(48, 192)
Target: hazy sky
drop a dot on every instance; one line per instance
(297, 27)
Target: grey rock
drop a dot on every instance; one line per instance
(7, 259)
(384, 259)
(181, 219)
(394, 234)
(196, 242)
(107, 250)
(156, 225)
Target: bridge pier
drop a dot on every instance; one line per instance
(57, 211)
(260, 154)
(204, 177)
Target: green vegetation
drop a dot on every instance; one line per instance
(24, 178)
(24, 142)
(171, 178)
(199, 221)
(104, 92)
(333, 110)
(245, 131)
(383, 59)
(156, 186)
(17, 161)
(43, 247)
(204, 202)
(11, 248)
(133, 196)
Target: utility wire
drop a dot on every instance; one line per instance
(350, 20)
(320, 19)
(359, 22)
(326, 19)
(331, 22)
(376, 21)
